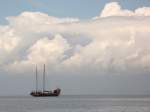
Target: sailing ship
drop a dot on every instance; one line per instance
(44, 92)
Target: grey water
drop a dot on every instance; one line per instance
(75, 103)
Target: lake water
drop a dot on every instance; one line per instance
(72, 103)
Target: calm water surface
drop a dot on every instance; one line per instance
(75, 104)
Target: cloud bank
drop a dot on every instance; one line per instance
(117, 41)
(114, 9)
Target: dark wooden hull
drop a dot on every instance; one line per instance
(55, 93)
(50, 95)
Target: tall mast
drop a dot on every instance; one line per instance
(36, 79)
(44, 79)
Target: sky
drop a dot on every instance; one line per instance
(84, 9)
(89, 46)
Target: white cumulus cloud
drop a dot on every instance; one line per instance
(114, 9)
(117, 43)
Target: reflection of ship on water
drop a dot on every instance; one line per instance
(44, 93)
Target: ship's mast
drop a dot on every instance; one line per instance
(36, 75)
(44, 79)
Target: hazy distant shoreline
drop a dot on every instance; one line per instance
(81, 96)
